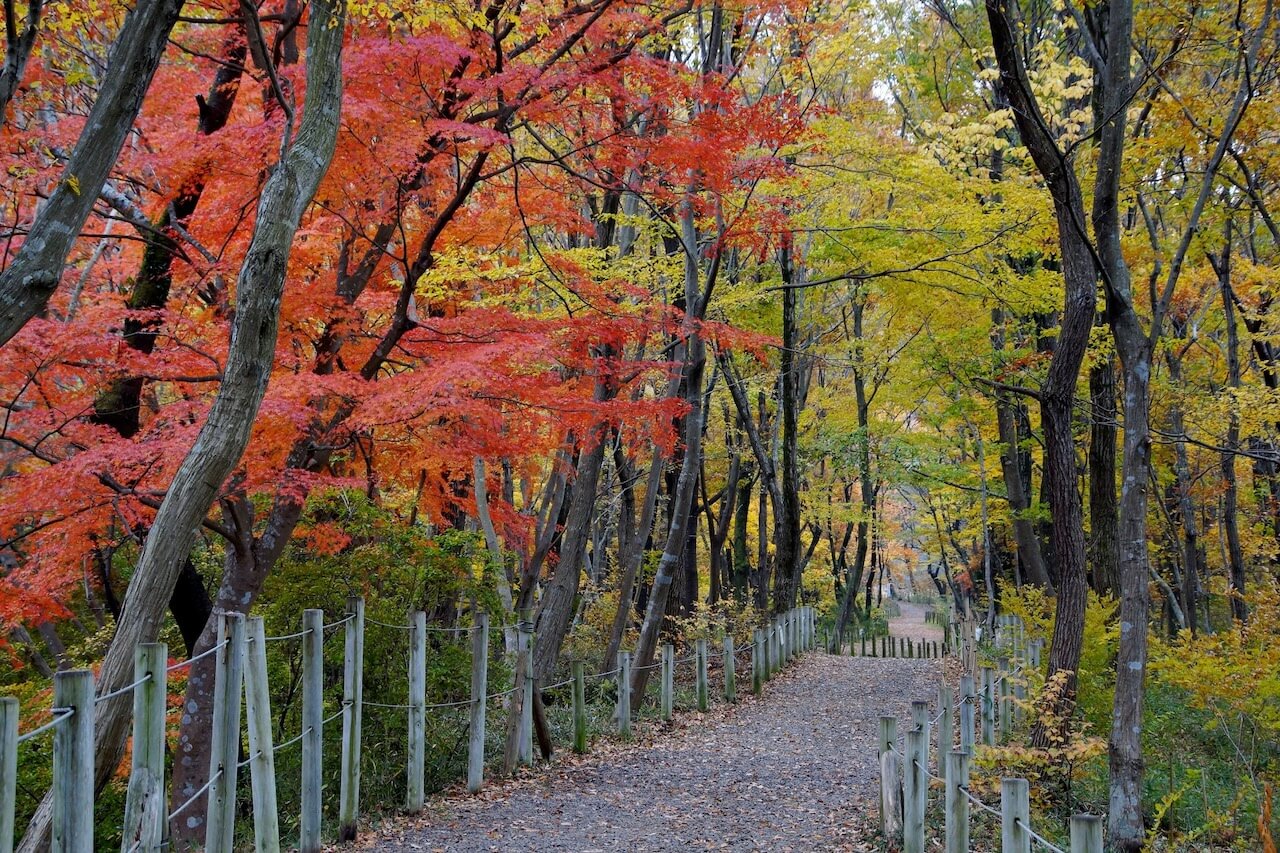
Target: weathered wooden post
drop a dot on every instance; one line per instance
(224, 752)
(956, 803)
(888, 741)
(526, 692)
(1019, 696)
(666, 693)
(968, 699)
(312, 729)
(915, 790)
(479, 705)
(579, 707)
(144, 809)
(73, 762)
(262, 762)
(730, 671)
(624, 695)
(1004, 694)
(947, 732)
(757, 662)
(700, 656)
(352, 721)
(1015, 816)
(988, 706)
(416, 795)
(9, 770)
(1086, 833)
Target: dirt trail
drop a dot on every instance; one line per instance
(785, 772)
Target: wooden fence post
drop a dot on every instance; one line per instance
(757, 662)
(947, 732)
(915, 790)
(262, 761)
(312, 729)
(968, 698)
(415, 785)
(988, 706)
(700, 656)
(224, 752)
(1086, 833)
(579, 707)
(888, 742)
(145, 808)
(624, 695)
(1015, 816)
(666, 693)
(1004, 694)
(956, 803)
(730, 671)
(73, 763)
(352, 721)
(479, 686)
(8, 770)
(524, 662)
(890, 796)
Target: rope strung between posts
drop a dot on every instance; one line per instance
(295, 635)
(60, 714)
(196, 795)
(291, 741)
(190, 661)
(249, 760)
(927, 773)
(123, 690)
(977, 802)
(1044, 842)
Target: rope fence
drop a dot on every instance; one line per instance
(240, 682)
(990, 705)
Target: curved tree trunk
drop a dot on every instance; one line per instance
(33, 276)
(222, 439)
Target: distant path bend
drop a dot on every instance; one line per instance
(790, 771)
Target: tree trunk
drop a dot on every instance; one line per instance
(223, 437)
(1230, 497)
(787, 510)
(632, 558)
(694, 368)
(1103, 506)
(1057, 396)
(555, 613)
(34, 274)
(1017, 487)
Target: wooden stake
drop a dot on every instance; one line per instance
(579, 707)
(957, 804)
(700, 655)
(73, 763)
(624, 695)
(262, 762)
(1015, 816)
(145, 811)
(479, 685)
(8, 770)
(666, 697)
(1086, 833)
(415, 794)
(352, 722)
(730, 676)
(224, 753)
(312, 729)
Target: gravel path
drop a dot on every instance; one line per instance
(781, 773)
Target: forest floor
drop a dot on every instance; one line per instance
(792, 770)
